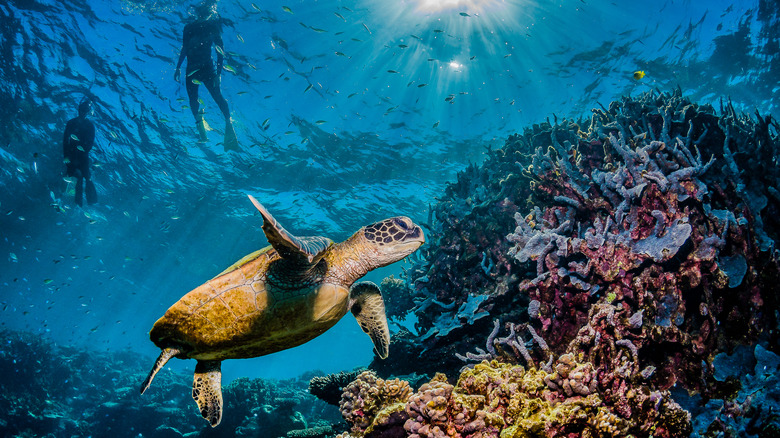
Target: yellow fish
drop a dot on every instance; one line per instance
(639, 75)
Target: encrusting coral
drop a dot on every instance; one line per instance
(495, 399)
(370, 403)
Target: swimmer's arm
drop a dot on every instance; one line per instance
(183, 53)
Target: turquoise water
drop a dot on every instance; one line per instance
(377, 133)
(346, 112)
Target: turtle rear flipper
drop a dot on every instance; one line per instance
(162, 359)
(366, 304)
(207, 390)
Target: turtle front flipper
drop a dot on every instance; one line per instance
(207, 390)
(288, 246)
(366, 304)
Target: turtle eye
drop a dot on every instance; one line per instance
(401, 224)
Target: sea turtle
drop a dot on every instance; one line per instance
(279, 297)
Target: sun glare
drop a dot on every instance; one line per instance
(430, 6)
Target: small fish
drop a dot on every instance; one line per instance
(48, 281)
(219, 50)
(639, 74)
(437, 31)
(340, 16)
(415, 36)
(73, 137)
(392, 71)
(80, 148)
(196, 82)
(229, 68)
(316, 29)
(257, 7)
(435, 124)
(240, 38)
(193, 72)
(341, 54)
(308, 88)
(421, 85)
(403, 46)
(320, 122)
(287, 9)
(352, 95)
(367, 29)
(463, 14)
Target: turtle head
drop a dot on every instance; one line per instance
(393, 239)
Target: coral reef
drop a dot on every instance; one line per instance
(371, 404)
(637, 245)
(638, 229)
(329, 388)
(51, 390)
(495, 399)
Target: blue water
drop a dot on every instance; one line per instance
(347, 112)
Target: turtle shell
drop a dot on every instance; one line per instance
(262, 304)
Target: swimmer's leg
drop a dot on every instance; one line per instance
(213, 85)
(79, 190)
(192, 93)
(91, 192)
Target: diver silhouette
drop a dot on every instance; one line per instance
(77, 141)
(198, 39)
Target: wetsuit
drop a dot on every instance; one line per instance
(198, 39)
(77, 142)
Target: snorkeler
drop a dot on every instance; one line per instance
(198, 39)
(76, 143)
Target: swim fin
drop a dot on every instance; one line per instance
(231, 142)
(91, 192)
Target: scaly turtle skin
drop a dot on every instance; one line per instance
(278, 298)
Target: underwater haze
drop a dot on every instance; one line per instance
(347, 113)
